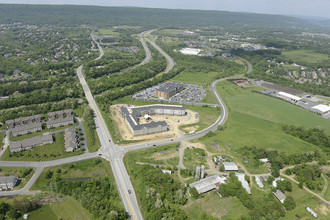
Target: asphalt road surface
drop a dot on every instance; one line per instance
(109, 150)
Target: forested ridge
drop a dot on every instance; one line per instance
(107, 16)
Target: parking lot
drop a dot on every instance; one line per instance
(192, 94)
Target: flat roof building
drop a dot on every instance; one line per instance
(208, 183)
(7, 182)
(190, 51)
(279, 195)
(230, 166)
(289, 96)
(322, 109)
(168, 90)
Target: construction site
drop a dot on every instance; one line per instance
(152, 121)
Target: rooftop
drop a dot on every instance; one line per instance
(230, 166)
(279, 195)
(322, 108)
(209, 183)
(287, 95)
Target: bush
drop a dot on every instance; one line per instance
(289, 203)
(194, 193)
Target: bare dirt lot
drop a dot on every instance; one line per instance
(173, 123)
(242, 83)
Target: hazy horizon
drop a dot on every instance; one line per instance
(301, 8)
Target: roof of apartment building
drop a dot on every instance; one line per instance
(59, 120)
(38, 140)
(24, 119)
(27, 127)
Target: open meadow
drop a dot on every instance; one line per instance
(308, 56)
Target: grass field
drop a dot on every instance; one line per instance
(152, 155)
(255, 120)
(220, 208)
(84, 169)
(304, 199)
(308, 56)
(209, 98)
(91, 147)
(66, 210)
(201, 78)
(42, 153)
(194, 157)
(17, 172)
(207, 116)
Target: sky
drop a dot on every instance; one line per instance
(317, 8)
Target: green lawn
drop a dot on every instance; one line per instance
(220, 208)
(255, 120)
(194, 157)
(162, 155)
(92, 147)
(19, 173)
(209, 98)
(201, 78)
(42, 153)
(207, 116)
(308, 56)
(85, 169)
(66, 210)
(304, 199)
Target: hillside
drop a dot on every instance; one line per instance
(106, 16)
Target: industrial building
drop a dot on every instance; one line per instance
(289, 97)
(230, 166)
(279, 195)
(322, 109)
(168, 90)
(209, 183)
(131, 116)
(70, 140)
(7, 182)
(245, 184)
(30, 143)
(190, 51)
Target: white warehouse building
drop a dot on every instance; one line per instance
(323, 109)
(190, 51)
(289, 96)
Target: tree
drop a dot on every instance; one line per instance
(289, 203)
(194, 193)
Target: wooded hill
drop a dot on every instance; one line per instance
(69, 15)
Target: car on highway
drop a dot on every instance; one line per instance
(129, 192)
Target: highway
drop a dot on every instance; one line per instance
(109, 150)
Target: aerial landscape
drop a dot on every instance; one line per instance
(154, 112)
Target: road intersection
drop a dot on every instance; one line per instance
(109, 150)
